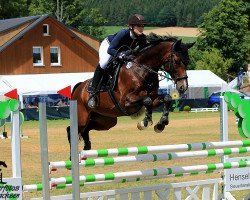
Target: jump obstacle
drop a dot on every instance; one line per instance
(134, 154)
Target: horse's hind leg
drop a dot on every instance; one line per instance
(68, 135)
(85, 137)
(97, 122)
(159, 127)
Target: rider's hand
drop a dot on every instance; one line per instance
(125, 55)
(122, 56)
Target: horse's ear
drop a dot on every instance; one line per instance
(189, 45)
(177, 45)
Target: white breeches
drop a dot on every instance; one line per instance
(104, 57)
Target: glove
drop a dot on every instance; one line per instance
(122, 56)
(125, 55)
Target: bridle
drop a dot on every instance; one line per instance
(171, 66)
(169, 63)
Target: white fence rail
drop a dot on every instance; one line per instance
(204, 109)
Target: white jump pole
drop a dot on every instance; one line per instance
(223, 117)
(16, 179)
(16, 145)
(223, 129)
(44, 150)
(74, 150)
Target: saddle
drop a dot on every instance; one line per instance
(110, 77)
(109, 81)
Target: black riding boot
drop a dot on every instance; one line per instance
(93, 100)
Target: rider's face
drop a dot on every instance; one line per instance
(138, 29)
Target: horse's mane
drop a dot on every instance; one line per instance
(153, 39)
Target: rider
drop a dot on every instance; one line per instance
(113, 46)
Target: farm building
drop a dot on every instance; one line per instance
(43, 45)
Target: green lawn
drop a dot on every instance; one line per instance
(113, 29)
(109, 30)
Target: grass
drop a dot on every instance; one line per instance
(188, 39)
(183, 128)
(109, 30)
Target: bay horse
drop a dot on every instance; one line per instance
(136, 88)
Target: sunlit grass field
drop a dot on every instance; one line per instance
(184, 128)
(109, 30)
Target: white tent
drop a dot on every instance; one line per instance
(39, 84)
(42, 84)
(197, 78)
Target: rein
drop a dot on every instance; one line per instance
(171, 67)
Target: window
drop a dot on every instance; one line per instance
(46, 30)
(55, 56)
(37, 56)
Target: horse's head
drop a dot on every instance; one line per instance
(168, 52)
(176, 61)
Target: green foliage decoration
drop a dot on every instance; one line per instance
(4, 109)
(186, 108)
(7, 106)
(241, 108)
(175, 106)
(14, 104)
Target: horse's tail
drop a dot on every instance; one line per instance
(74, 88)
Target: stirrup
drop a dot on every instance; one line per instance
(92, 102)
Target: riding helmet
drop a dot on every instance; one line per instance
(136, 20)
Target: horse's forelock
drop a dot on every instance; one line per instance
(183, 53)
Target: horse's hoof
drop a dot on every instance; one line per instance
(158, 128)
(140, 125)
(87, 146)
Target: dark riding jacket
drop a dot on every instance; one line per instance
(122, 41)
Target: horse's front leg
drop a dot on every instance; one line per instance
(159, 127)
(147, 121)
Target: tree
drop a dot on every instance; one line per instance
(71, 12)
(225, 28)
(39, 7)
(213, 60)
(166, 17)
(13, 8)
(92, 23)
